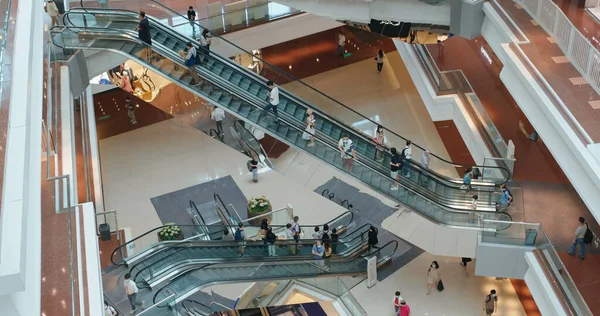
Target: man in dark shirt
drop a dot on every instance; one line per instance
(144, 32)
(191, 14)
(394, 167)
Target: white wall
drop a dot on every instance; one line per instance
(361, 11)
(575, 159)
(503, 261)
(20, 222)
(541, 289)
(272, 33)
(444, 107)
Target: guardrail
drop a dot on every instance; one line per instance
(533, 235)
(580, 51)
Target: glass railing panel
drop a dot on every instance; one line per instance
(7, 28)
(322, 103)
(289, 129)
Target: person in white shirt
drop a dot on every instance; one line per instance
(218, 115)
(407, 153)
(341, 43)
(53, 13)
(579, 235)
(289, 237)
(348, 154)
(273, 99)
(109, 310)
(131, 289)
(205, 41)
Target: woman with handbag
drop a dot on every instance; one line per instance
(433, 276)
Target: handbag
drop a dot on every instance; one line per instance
(440, 286)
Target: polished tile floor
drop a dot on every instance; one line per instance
(180, 156)
(579, 97)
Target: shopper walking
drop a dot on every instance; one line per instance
(464, 262)
(253, 166)
(273, 96)
(473, 208)
(505, 198)
(379, 58)
(271, 238)
(52, 11)
(310, 129)
(433, 276)
(407, 156)
(579, 238)
(491, 303)
(348, 154)
(379, 139)
(372, 239)
(131, 290)
(290, 240)
(395, 164)
(130, 110)
(404, 309)
(397, 300)
(218, 115)
(143, 29)
(341, 43)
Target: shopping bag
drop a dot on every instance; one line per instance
(440, 285)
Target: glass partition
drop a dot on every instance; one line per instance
(533, 235)
(454, 81)
(323, 104)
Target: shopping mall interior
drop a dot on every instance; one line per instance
(299, 157)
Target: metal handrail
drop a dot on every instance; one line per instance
(156, 305)
(325, 95)
(411, 187)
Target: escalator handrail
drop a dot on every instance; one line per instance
(234, 244)
(229, 217)
(284, 73)
(412, 187)
(306, 104)
(195, 302)
(440, 199)
(185, 273)
(216, 134)
(204, 225)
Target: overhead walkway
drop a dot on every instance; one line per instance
(244, 94)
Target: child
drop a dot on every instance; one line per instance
(473, 208)
(397, 300)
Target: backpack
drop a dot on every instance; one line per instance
(403, 155)
(238, 235)
(325, 237)
(588, 238)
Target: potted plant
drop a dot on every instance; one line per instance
(170, 232)
(259, 206)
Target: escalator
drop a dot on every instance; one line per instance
(193, 278)
(168, 261)
(243, 94)
(250, 144)
(158, 250)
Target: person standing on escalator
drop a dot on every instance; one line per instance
(143, 29)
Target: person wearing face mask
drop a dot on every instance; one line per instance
(109, 310)
(433, 276)
(491, 303)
